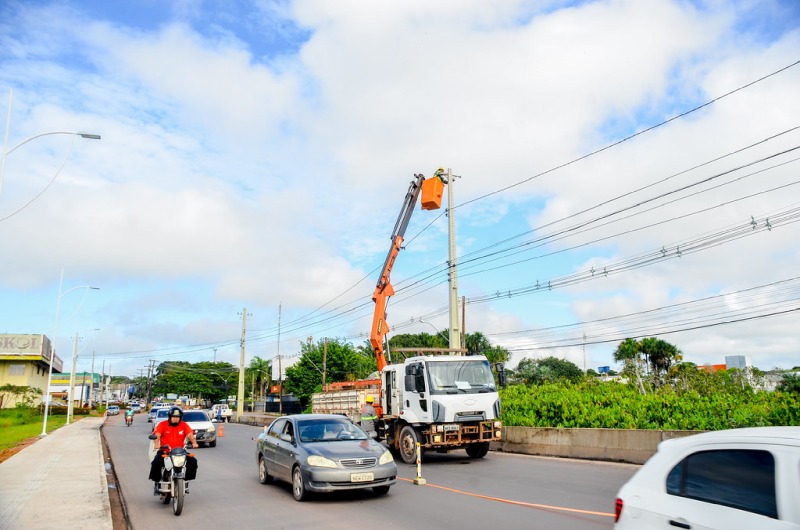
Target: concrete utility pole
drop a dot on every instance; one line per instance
(455, 328)
(280, 370)
(240, 395)
(72, 379)
(91, 391)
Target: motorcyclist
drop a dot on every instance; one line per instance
(129, 416)
(172, 433)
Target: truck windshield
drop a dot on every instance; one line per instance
(460, 377)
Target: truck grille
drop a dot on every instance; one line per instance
(356, 463)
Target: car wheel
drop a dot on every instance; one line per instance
(298, 487)
(263, 475)
(477, 450)
(408, 445)
(380, 490)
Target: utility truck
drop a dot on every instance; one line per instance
(437, 397)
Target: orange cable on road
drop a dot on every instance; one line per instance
(518, 503)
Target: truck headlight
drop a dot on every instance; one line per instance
(385, 458)
(321, 461)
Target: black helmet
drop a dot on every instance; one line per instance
(175, 412)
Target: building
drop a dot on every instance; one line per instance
(25, 361)
(741, 362)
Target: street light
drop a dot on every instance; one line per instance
(53, 343)
(71, 396)
(88, 136)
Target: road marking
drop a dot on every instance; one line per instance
(517, 503)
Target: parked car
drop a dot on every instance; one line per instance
(204, 431)
(112, 410)
(739, 479)
(323, 453)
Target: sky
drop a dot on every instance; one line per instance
(622, 168)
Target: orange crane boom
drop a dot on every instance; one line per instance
(384, 289)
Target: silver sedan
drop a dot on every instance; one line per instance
(323, 453)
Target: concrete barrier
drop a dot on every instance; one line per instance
(620, 445)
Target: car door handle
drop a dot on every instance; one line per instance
(679, 524)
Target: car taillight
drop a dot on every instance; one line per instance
(617, 509)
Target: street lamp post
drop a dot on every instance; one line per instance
(7, 152)
(53, 345)
(71, 394)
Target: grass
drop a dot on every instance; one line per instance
(17, 425)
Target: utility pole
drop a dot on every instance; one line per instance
(455, 331)
(324, 362)
(72, 379)
(215, 361)
(240, 394)
(464, 322)
(91, 392)
(280, 370)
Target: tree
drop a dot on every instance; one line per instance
(22, 394)
(204, 380)
(790, 383)
(344, 363)
(656, 354)
(259, 371)
(547, 370)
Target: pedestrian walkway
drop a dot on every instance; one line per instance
(57, 482)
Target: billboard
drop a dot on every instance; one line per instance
(284, 362)
(27, 347)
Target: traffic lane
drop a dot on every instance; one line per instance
(228, 493)
(565, 484)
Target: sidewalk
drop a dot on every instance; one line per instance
(57, 482)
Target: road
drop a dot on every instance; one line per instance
(500, 491)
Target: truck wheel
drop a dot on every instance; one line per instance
(477, 450)
(407, 445)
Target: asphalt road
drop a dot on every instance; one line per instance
(500, 491)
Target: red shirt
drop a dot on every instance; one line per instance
(173, 435)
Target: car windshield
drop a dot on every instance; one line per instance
(467, 377)
(329, 430)
(195, 415)
(162, 413)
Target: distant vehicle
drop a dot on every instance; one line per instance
(152, 414)
(161, 415)
(136, 407)
(323, 453)
(204, 430)
(112, 410)
(221, 412)
(738, 479)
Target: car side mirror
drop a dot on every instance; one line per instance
(152, 436)
(286, 437)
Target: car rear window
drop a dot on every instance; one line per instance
(739, 478)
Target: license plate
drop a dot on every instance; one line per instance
(361, 477)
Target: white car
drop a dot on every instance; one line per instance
(739, 479)
(204, 431)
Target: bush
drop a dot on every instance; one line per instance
(596, 404)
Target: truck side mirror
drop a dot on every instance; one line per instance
(501, 374)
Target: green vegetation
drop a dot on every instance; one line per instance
(597, 404)
(19, 424)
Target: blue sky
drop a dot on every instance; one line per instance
(256, 154)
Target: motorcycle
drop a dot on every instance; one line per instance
(172, 486)
(128, 421)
